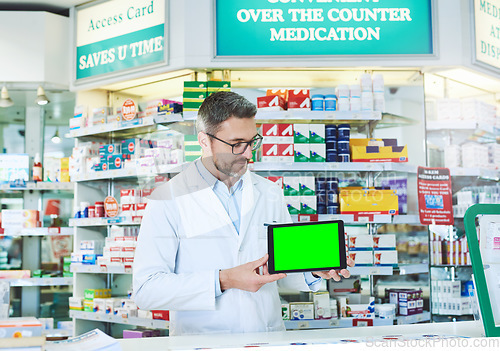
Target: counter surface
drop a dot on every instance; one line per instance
(466, 329)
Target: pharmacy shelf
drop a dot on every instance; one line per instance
(373, 270)
(101, 317)
(303, 115)
(415, 318)
(62, 186)
(461, 125)
(99, 221)
(57, 281)
(378, 219)
(316, 166)
(405, 269)
(130, 173)
(118, 126)
(400, 167)
(44, 231)
(475, 172)
(90, 268)
(451, 266)
(330, 323)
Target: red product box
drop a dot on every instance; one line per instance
(128, 260)
(286, 150)
(128, 209)
(146, 192)
(127, 192)
(270, 130)
(161, 179)
(299, 102)
(115, 259)
(160, 314)
(294, 93)
(277, 180)
(272, 103)
(285, 130)
(270, 150)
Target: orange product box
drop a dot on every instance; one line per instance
(283, 93)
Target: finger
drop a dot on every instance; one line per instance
(265, 270)
(261, 261)
(345, 273)
(323, 275)
(269, 278)
(334, 275)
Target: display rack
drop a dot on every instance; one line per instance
(45, 231)
(67, 186)
(56, 281)
(330, 323)
(100, 317)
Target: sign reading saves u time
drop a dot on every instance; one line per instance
(323, 27)
(118, 35)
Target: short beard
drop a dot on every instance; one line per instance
(227, 169)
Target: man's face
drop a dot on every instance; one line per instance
(232, 131)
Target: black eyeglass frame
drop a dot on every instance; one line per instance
(258, 139)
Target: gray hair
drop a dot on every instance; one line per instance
(219, 107)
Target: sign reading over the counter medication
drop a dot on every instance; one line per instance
(487, 31)
(118, 35)
(434, 196)
(323, 27)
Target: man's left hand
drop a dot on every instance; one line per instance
(333, 274)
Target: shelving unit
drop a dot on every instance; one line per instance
(68, 186)
(56, 281)
(100, 317)
(45, 231)
(330, 323)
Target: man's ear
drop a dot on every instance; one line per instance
(204, 141)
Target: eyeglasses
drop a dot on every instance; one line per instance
(241, 147)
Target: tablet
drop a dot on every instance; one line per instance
(306, 247)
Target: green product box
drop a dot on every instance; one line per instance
(195, 86)
(218, 85)
(317, 153)
(302, 153)
(307, 185)
(291, 186)
(199, 95)
(301, 133)
(90, 294)
(37, 273)
(293, 204)
(317, 134)
(191, 105)
(67, 274)
(192, 157)
(67, 268)
(67, 260)
(308, 205)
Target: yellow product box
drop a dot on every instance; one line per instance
(91, 294)
(75, 303)
(64, 176)
(88, 306)
(65, 163)
(360, 201)
(377, 150)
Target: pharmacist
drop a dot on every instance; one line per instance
(201, 251)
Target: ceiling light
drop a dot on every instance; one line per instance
(5, 100)
(41, 99)
(56, 139)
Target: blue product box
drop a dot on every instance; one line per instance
(115, 162)
(131, 146)
(90, 258)
(101, 166)
(109, 149)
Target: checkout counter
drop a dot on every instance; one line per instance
(439, 334)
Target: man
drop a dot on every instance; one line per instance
(201, 251)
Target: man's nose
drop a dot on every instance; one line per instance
(248, 152)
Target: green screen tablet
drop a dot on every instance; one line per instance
(306, 247)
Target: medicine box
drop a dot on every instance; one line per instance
(270, 153)
(291, 186)
(286, 153)
(301, 133)
(357, 306)
(361, 258)
(385, 257)
(301, 310)
(307, 185)
(316, 133)
(360, 242)
(322, 305)
(308, 205)
(285, 311)
(384, 242)
(293, 204)
(75, 303)
(20, 327)
(271, 103)
(302, 152)
(317, 152)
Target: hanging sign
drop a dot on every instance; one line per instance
(117, 35)
(111, 206)
(434, 196)
(487, 31)
(323, 27)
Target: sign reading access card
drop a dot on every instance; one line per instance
(434, 196)
(323, 27)
(118, 35)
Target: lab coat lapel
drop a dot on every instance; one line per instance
(250, 199)
(203, 191)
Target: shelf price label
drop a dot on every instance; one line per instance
(111, 206)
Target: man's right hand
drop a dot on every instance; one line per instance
(247, 276)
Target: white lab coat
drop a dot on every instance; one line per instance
(186, 235)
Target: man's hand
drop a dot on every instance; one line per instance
(247, 276)
(335, 274)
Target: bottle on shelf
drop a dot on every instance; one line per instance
(37, 169)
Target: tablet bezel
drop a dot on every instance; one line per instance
(270, 247)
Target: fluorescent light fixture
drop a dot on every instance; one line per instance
(56, 139)
(5, 100)
(41, 99)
